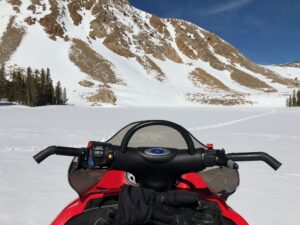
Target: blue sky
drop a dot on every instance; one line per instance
(266, 31)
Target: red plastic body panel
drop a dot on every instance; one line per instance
(210, 146)
(112, 182)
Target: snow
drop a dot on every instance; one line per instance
(34, 194)
(286, 71)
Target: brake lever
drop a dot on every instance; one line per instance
(232, 164)
(222, 160)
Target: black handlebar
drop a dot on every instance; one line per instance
(57, 150)
(209, 159)
(255, 156)
(167, 168)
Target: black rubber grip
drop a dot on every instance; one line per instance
(57, 150)
(255, 156)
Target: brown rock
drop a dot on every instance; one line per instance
(151, 67)
(159, 26)
(15, 2)
(10, 40)
(32, 8)
(73, 7)
(249, 81)
(104, 95)
(193, 45)
(116, 42)
(30, 21)
(91, 63)
(50, 22)
(86, 83)
(226, 100)
(16, 9)
(36, 2)
(200, 77)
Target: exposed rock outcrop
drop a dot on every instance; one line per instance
(151, 67)
(86, 83)
(227, 100)
(200, 77)
(104, 95)
(91, 63)
(10, 40)
(249, 81)
(51, 23)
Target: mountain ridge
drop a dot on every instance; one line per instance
(132, 57)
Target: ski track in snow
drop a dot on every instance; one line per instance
(232, 122)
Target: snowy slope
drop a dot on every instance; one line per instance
(33, 194)
(289, 70)
(153, 58)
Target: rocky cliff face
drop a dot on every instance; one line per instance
(132, 55)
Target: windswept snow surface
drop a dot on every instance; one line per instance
(286, 71)
(33, 194)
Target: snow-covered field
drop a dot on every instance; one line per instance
(33, 194)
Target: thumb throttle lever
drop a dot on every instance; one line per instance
(219, 158)
(232, 164)
(222, 160)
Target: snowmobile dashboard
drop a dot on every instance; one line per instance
(99, 155)
(156, 152)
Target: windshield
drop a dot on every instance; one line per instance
(154, 136)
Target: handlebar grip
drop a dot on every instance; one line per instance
(255, 156)
(57, 150)
(39, 157)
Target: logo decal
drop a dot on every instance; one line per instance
(157, 151)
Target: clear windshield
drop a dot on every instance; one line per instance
(154, 136)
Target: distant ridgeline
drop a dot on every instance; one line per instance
(31, 88)
(294, 99)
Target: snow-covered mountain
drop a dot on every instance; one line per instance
(289, 70)
(108, 52)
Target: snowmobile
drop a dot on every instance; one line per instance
(152, 172)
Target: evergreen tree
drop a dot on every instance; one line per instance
(12, 93)
(58, 94)
(16, 88)
(64, 96)
(49, 90)
(31, 89)
(19, 86)
(3, 82)
(294, 99)
(28, 91)
(42, 96)
(22, 91)
(298, 98)
(37, 88)
(290, 101)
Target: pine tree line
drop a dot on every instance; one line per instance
(31, 88)
(294, 99)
